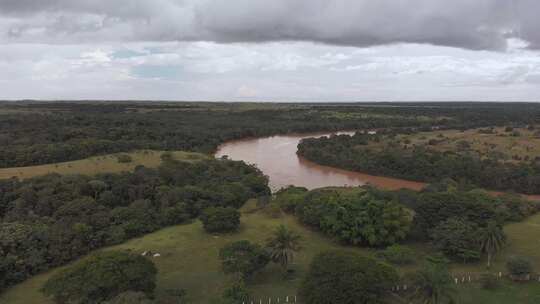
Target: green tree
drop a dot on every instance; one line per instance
(346, 278)
(433, 283)
(101, 277)
(282, 245)
(243, 257)
(97, 187)
(492, 239)
(220, 219)
(457, 238)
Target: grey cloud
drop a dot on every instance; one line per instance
(478, 24)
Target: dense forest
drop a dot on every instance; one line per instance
(50, 220)
(419, 163)
(34, 133)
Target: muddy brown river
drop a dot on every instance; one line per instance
(276, 157)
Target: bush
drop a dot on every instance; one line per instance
(288, 198)
(220, 219)
(458, 239)
(102, 277)
(346, 278)
(243, 257)
(124, 158)
(519, 267)
(399, 255)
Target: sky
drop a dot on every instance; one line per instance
(278, 50)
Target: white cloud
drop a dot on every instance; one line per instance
(274, 71)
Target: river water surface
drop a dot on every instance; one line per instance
(276, 157)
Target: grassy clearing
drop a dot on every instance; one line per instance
(98, 164)
(189, 260)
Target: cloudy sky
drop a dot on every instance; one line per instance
(278, 50)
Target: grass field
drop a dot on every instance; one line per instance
(98, 164)
(189, 260)
(505, 145)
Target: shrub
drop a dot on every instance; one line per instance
(243, 257)
(346, 278)
(220, 219)
(457, 238)
(288, 198)
(519, 267)
(124, 158)
(399, 255)
(101, 277)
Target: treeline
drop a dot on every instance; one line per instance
(50, 220)
(420, 163)
(39, 133)
(66, 132)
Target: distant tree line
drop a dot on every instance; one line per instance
(421, 163)
(50, 220)
(40, 133)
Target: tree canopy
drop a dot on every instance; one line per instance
(101, 277)
(347, 278)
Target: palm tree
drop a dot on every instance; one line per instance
(433, 283)
(282, 245)
(492, 240)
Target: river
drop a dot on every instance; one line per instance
(276, 157)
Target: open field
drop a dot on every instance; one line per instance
(512, 146)
(99, 164)
(189, 260)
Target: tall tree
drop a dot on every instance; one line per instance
(282, 245)
(492, 239)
